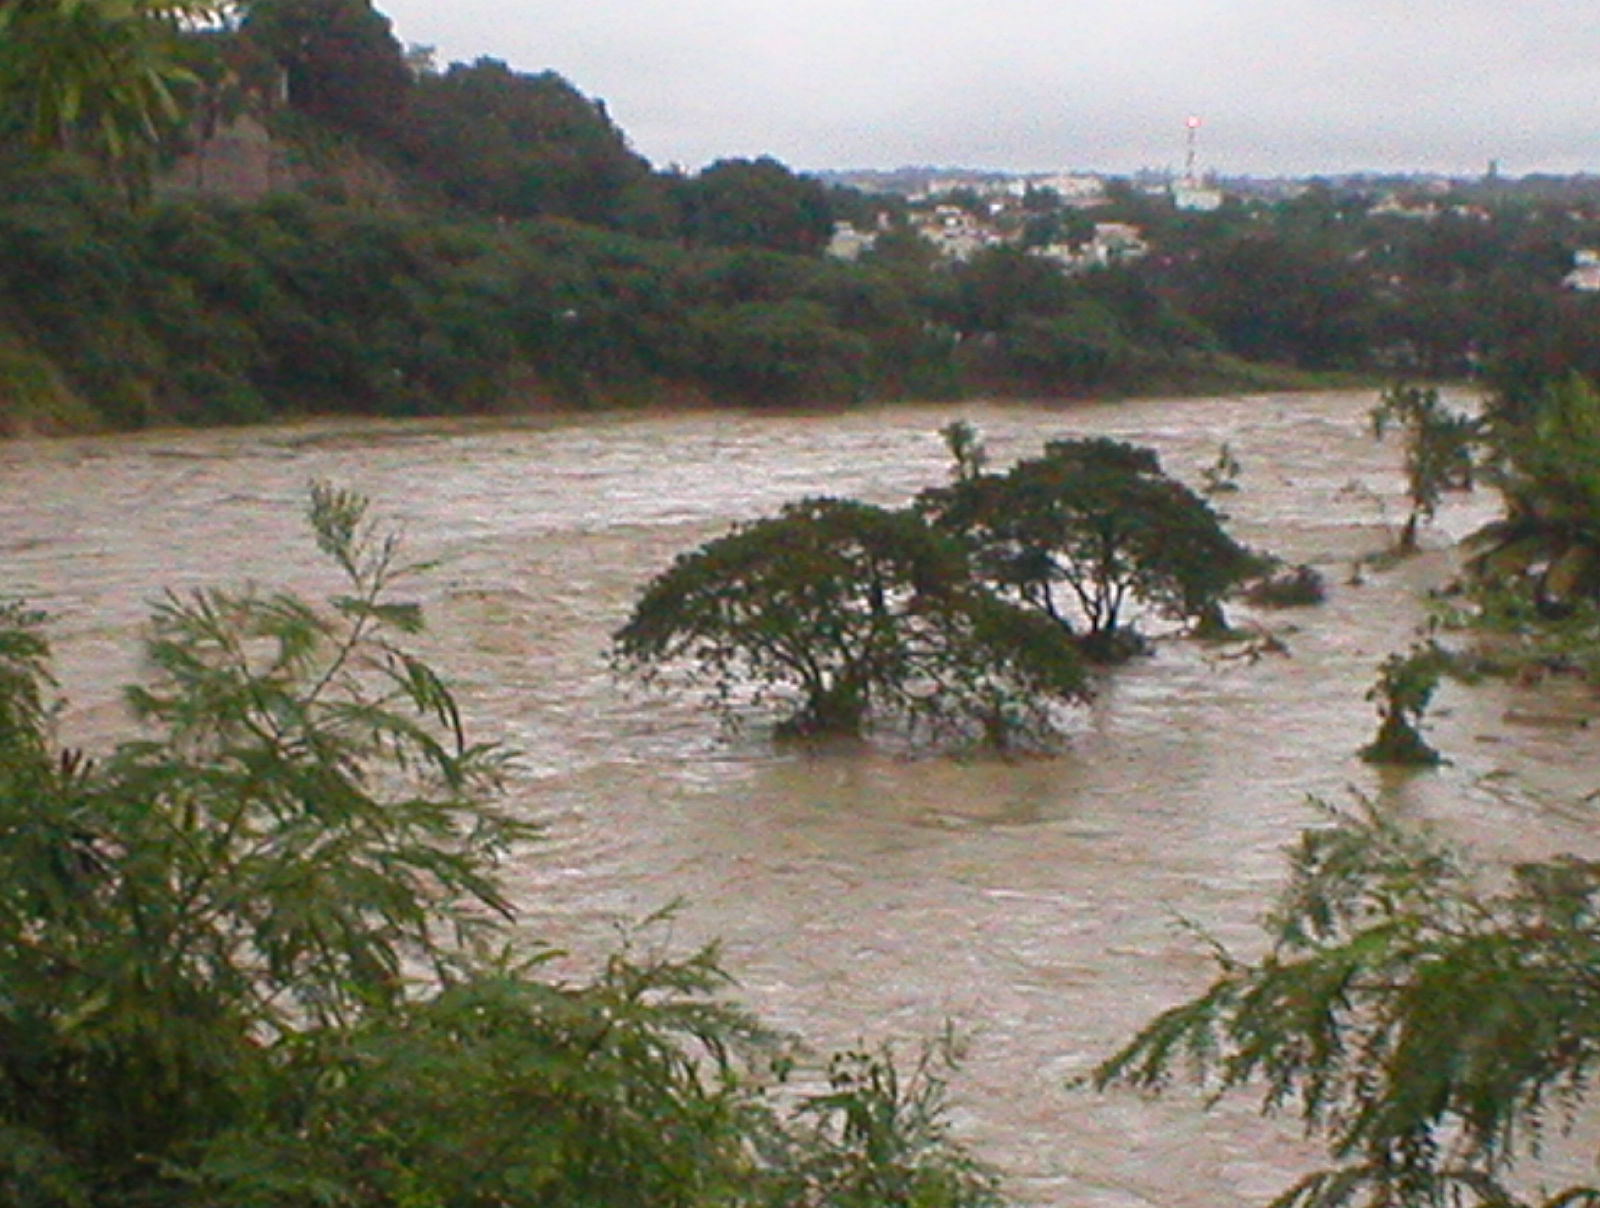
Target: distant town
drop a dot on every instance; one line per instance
(961, 212)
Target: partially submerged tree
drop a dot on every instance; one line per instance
(1222, 476)
(846, 612)
(1439, 447)
(1086, 531)
(1405, 686)
(966, 449)
(1432, 1032)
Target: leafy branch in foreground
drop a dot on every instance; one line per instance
(96, 75)
(257, 957)
(1429, 1029)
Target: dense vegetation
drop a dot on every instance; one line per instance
(472, 237)
(258, 956)
(1089, 531)
(951, 614)
(1430, 1019)
(1434, 1024)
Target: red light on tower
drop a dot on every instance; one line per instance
(1193, 124)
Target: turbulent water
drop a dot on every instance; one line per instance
(867, 894)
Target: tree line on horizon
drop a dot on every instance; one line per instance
(518, 251)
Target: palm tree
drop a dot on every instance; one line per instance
(95, 76)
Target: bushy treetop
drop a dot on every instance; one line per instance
(848, 610)
(1099, 518)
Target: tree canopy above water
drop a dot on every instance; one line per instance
(848, 612)
(1097, 522)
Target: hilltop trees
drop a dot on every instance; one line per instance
(756, 203)
(95, 76)
(517, 144)
(342, 63)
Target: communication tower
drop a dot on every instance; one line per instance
(1190, 177)
(1192, 193)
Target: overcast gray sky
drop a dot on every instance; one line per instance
(1287, 87)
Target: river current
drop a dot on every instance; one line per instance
(1040, 905)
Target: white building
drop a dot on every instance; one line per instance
(1192, 195)
(1585, 274)
(847, 243)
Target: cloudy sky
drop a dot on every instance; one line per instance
(1285, 87)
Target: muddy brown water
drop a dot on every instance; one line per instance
(870, 894)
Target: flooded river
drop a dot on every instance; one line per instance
(867, 895)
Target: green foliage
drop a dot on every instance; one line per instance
(519, 145)
(1518, 634)
(509, 1090)
(95, 75)
(255, 958)
(1405, 685)
(302, 833)
(1439, 448)
(1429, 1030)
(343, 65)
(1067, 353)
(774, 353)
(878, 1139)
(1549, 474)
(1277, 298)
(1086, 530)
(998, 287)
(757, 203)
(846, 612)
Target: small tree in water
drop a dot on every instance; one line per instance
(966, 447)
(1438, 454)
(1222, 476)
(1406, 684)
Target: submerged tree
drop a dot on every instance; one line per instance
(1086, 531)
(1432, 1032)
(1438, 456)
(848, 612)
(1405, 686)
